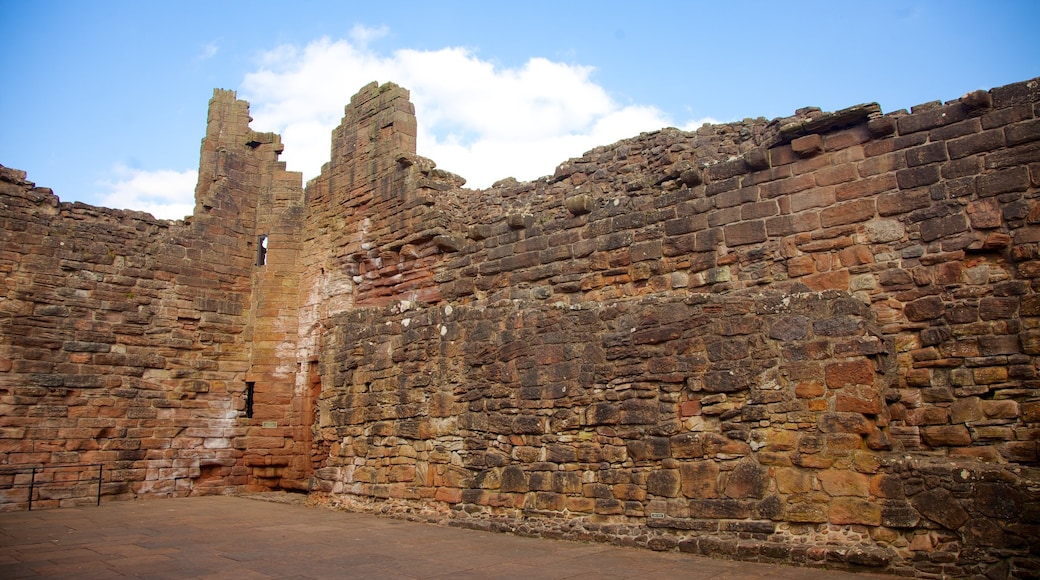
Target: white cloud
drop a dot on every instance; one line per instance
(209, 50)
(362, 34)
(476, 119)
(165, 194)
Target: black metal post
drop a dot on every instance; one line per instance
(100, 467)
(32, 483)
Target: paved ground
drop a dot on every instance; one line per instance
(231, 537)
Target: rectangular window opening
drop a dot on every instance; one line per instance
(261, 250)
(250, 386)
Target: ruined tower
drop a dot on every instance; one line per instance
(813, 339)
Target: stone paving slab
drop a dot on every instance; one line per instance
(244, 539)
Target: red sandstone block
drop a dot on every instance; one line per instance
(724, 216)
(809, 389)
(812, 164)
(736, 197)
(828, 281)
(964, 167)
(684, 225)
(846, 138)
(946, 436)
(854, 511)
(782, 155)
(816, 197)
(917, 176)
(879, 147)
(750, 211)
(1024, 154)
(801, 266)
(976, 143)
(834, 175)
(955, 130)
(865, 187)
(1006, 116)
(900, 202)
(990, 375)
(1001, 409)
(807, 145)
(881, 164)
(926, 154)
(745, 233)
(849, 212)
(716, 187)
(932, 118)
(855, 372)
(786, 186)
(771, 174)
(1022, 132)
(792, 224)
(689, 408)
(1004, 181)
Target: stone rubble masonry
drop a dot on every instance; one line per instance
(811, 340)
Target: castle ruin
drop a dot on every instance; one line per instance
(812, 340)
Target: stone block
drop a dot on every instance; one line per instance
(603, 414)
(946, 435)
(807, 146)
(966, 410)
(790, 480)
(990, 375)
(686, 446)
(719, 508)
(1023, 132)
(940, 507)
(628, 492)
(855, 372)
(807, 513)
(844, 483)
(748, 480)
(860, 210)
(927, 308)
(744, 233)
(901, 202)
(787, 186)
(854, 511)
(926, 154)
(845, 423)
(700, 479)
(1003, 181)
(975, 144)
(1001, 409)
(917, 176)
(664, 483)
(859, 399)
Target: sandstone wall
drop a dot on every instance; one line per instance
(812, 339)
(126, 340)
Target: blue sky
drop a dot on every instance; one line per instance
(105, 101)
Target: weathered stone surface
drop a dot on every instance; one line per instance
(664, 482)
(700, 479)
(748, 480)
(940, 507)
(820, 330)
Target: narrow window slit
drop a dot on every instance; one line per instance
(261, 250)
(250, 386)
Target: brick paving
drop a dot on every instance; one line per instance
(243, 538)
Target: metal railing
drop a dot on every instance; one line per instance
(62, 475)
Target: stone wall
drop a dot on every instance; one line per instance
(812, 339)
(126, 340)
